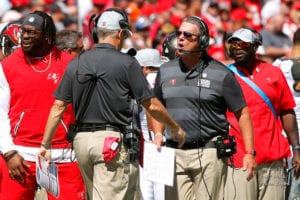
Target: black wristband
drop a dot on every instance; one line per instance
(46, 145)
(10, 156)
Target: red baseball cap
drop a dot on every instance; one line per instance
(100, 2)
(239, 14)
(296, 5)
(17, 3)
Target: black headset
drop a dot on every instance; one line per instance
(204, 32)
(258, 38)
(124, 23)
(169, 46)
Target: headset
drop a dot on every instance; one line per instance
(169, 46)
(204, 32)
(203, 37)
(124, 23)
(258, 40)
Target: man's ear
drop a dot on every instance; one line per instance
(120, 32)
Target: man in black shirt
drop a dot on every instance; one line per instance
(101, 154)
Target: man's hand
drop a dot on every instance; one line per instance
(296, 163)
(179, 136)
(249, 164)
(16, 166)
(158, 140)
(46, 153)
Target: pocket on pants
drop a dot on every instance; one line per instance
(110, 148)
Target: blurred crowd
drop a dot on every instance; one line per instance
(152, 20)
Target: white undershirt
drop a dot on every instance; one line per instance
(6, 142)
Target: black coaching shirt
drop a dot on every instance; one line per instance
(198, 101)
(119, 79)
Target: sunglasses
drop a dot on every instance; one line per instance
(186, 35)
(29, 32)
(241, 44)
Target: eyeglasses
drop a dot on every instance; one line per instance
(30, 33)
(186, 35)
(241, 44)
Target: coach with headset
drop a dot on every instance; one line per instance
(197, 90)
(113, 79)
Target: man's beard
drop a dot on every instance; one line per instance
(243, 60)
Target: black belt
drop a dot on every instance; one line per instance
(90, 127)
(191, 145)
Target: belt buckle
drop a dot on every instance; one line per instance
(93, 128)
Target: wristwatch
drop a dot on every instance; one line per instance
(252, 152)
(297, 147)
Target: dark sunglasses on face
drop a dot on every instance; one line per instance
(241, 44)
(186, 35)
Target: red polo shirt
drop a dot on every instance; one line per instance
(270, 143)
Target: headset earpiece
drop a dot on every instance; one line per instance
(258, 38)
(124, 23)
(93, 30)
(204, 33)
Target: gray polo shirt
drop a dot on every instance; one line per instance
(199, 101)
(119, 79)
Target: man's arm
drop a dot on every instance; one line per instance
(289, 122)
(6, 144)
(246, 127)
(155, 108)
(15, 162)
(53, 121)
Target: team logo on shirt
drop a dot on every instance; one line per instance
(205, 83)
(172, 81)
(54, 77)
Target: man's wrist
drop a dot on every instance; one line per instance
(296, 148)
(46, 145)
(10, 155)
(251, 152)
(158, 134)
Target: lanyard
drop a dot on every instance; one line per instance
(233, 68)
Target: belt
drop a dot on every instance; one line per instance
(90, 127)
(191, 145)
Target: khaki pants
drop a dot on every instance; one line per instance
(116, 179)
(200, 175)
(269, 183)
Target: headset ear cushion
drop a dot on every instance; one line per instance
(94, 35)
(124, 23)
(204, 38)
(93, 29)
